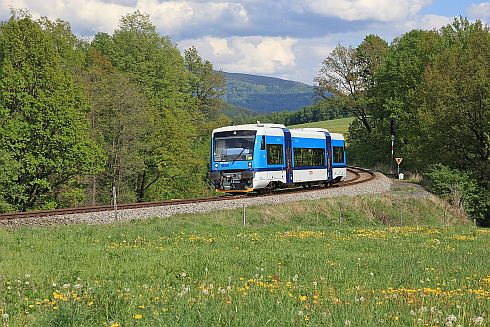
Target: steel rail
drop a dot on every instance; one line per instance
(56, 212)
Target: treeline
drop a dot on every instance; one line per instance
(78, 118)
(435, 87)
(321, 110)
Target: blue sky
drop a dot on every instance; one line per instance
(281, 38)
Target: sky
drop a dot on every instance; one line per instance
(287, 39)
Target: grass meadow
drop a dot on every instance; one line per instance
(340, 125)
(364, 261)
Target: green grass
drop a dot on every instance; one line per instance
(335, 126)
(323, 262)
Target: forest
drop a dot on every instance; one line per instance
(431, 91)
(128, 110)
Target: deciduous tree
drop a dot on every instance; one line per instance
(43, 126)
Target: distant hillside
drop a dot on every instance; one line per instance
(266, 94)
(335, 125)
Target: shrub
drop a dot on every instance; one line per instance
(459, 189)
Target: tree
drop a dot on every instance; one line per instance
(394, 93)
(207, 85)
(120, 121)
(43, 127)
(370, 55)
(173, 149)
(454, 106)
(347, 73)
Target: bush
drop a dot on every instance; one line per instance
(459, 189)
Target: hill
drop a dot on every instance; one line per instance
(266, 94)
(335, 125)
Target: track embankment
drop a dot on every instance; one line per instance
(359, 182)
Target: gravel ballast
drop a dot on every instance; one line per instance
(380, 184)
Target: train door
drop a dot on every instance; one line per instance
(328, 153)
(288, 151)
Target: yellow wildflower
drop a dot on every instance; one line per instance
(138, 316)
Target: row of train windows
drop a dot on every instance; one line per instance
(303, 156)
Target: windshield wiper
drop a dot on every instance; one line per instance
(238, 157)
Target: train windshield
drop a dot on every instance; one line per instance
(234, 145)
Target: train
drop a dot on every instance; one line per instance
(260, 157)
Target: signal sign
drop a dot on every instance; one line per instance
(398, 160)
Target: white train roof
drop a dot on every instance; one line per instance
(277, 129)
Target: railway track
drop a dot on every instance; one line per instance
(360, 176)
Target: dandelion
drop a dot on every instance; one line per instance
(205, 291)
(115, 324)
(303, 298)
(183, 275)
(65, 286)
(5, 316)
(295, 278)
(138, 316)
(347, 323)
(451, 318)
(27, 275)
(300, 313)
(477, 320)
(412, 313)
(371, 274)
(228, 288)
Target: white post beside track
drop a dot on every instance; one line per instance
(115, 201)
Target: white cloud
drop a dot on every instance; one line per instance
(426, 22)
(173, 16)
(480, 10)
(169, 16)
(94, 14)
(252, 54)
(380, 10)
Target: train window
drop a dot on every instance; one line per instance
(338, 154)
(307, 157)
(274, 154)
(234, 145)
(262, 143)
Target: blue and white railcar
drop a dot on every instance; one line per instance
(260, 156)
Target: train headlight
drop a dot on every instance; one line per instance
(216, 165)
(250, 165)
